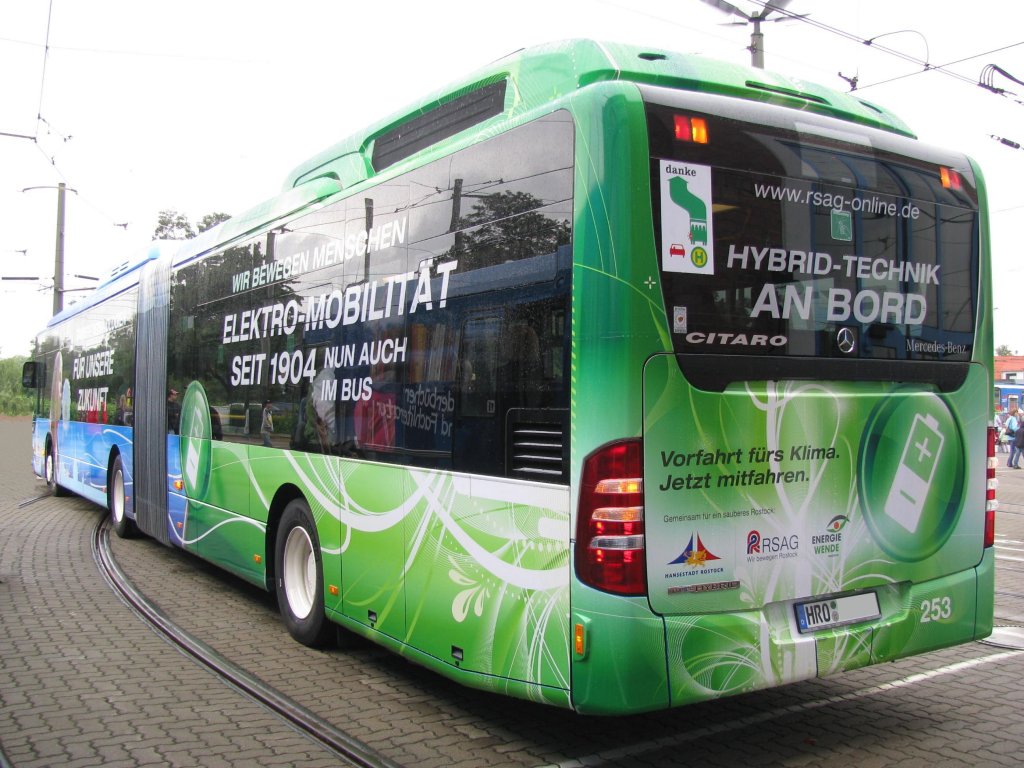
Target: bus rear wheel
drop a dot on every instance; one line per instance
(123, 525)
(300, 577)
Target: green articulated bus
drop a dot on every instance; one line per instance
(608, 377)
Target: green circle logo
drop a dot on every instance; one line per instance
(911, 475)
(699, 257)
(195, 430)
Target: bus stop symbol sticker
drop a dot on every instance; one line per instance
(687, 240)
(842, 226)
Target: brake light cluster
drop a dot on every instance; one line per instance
(991, 505)
(950, 179)
(610, 521)
(689, 128)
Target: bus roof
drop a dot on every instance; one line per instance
(539, 75)
(123, 275)
(511, 86)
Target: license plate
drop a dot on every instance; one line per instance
(837, 611)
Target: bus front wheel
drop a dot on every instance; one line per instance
(300, 576)
(50, 470)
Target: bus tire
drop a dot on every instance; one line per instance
(50, 473)
(300, 577)
(123, 525)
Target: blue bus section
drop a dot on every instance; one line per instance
(82, 463)
(1007, 396)
(177, 502)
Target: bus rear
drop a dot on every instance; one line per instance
(808, 492)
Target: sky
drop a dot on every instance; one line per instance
(141, 106)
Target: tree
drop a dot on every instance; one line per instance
(507, 226)
(1004, 349)
(171, 225)
(15, 400)
(211, 220)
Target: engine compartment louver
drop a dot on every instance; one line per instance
(538, 444)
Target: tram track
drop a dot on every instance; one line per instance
(347, 748)
(325, 735)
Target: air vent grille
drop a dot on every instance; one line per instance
(538, 445)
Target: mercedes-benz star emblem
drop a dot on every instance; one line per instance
(846, 341)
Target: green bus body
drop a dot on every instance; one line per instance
(612, 378)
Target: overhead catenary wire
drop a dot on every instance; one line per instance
(42, 78)
(42, 84)
(987, 81)
(924, 65)
(940, 67)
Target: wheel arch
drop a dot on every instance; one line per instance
(286, 494)
(119, 501)
(49, 460)
(115, 453)
(51, 466)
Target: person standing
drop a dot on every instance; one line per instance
(1015, 434)
(267, 425)
(173, 411)
(1001, 441)
(1017, 450)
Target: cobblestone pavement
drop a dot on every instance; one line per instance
(84, 683)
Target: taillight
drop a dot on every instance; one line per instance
(610, 523)
(688, 128)
(991, 505)
(950, 179)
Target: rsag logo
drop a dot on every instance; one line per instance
(761, 548)
(753, 543)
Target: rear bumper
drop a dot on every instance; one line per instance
(724, 654)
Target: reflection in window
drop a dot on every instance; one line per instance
(811, 239)
(400, 378)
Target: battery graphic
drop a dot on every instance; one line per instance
(915, 472)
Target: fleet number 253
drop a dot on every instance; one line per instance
(936, 609)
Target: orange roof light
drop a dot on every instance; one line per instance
(700, 130)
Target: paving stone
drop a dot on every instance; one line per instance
(84, 682)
